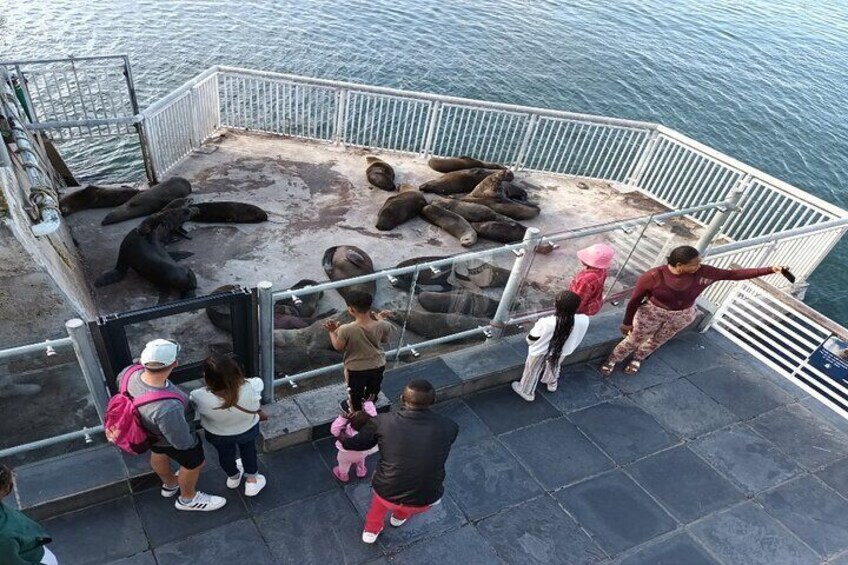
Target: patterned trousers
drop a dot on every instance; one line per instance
(652, 327)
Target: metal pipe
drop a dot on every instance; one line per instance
(737, 245)
(717, 222)
(266, 339)
(532, 238)
(92, 372)
(35, 347)
(18, 449)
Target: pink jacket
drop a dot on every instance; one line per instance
(341, 424)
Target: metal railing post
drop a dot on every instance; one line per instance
(525, 143)
(266, 340)
(139, 127)
(634, 176)
(532, 238)
(92, 372)
(341, 115)
(435, 113)
(718, 220)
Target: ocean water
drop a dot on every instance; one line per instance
(765, 81)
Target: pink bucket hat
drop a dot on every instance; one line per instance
(599, 255)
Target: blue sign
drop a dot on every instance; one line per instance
(831, 358)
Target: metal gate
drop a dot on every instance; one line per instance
(116, 352)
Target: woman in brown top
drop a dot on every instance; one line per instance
(361, 341)
(663, 303)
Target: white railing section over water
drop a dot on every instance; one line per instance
(783, 333)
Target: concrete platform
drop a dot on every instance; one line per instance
(583, 475)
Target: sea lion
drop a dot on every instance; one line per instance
(380, 174)
(459, 302)
(515, 192)
(345, 262)
(452, 223)
(432, 325)
(144, 251)
(505, 206)
(96, 197)
(149, 201)
(287, 316)
(469, 210)
(399, 209)
(490, 187)
(501, 231)
(236, 212)
(450, 164)
(458, 182)
(426, 277)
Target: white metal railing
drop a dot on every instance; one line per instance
(783, 333)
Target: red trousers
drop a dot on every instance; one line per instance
(376, 516)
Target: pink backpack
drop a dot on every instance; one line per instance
(122, 423)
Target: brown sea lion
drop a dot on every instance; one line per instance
(499, 230)
(452, 223)
(143, 250)
(459, 302)
(347, 261)
(458, 182)
(399, 209)
(515, 192)
(490, 187)
(221, 211)
(431, 325)
(426, 277)
(468, 210)
(287, 315)
(506, 207)
(450, 164)
(380, 174)
(96, 197)
(149, 201)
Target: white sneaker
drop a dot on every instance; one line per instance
(201, 502)
(252, 489)
(234, 482)
(516, 386)
(396, 522)
(368, 537)
(552, 387)
(168, 492)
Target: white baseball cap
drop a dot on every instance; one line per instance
(160, 353)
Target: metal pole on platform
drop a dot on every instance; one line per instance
(718, 220)
(532, 238)
(266, 340)
(92, 372)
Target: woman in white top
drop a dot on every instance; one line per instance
(229, 412)
(551, 340)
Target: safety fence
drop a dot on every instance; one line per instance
(791, 338)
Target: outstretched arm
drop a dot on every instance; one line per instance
(365, 439)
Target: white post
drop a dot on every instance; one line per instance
(92, 372)
(525, 143)
(266, 340)
(435, 112)
(532, 238)
(634, 176)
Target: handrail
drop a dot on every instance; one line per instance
(754, 242)
(68, 59)
(35, 347)
(177, 92)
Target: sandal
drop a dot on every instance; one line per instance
(606, 369)
(633, 367)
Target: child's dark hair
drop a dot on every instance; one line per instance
(682, 255)
(360, 301)
(224, 377)
(358, 419)
(566, 306)
(7, 479)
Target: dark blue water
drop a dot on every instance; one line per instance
(763, 81)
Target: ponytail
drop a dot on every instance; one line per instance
(566, 306)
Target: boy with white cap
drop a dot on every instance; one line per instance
(169, 420)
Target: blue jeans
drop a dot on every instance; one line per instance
(226, 447)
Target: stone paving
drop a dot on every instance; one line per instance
(704, 457)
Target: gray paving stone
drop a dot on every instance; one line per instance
(809, 440)
(556, 453)
(683, 409)
(684, 484)
(818, 408)
(164, 523)
(440, 518)
(488, 358)
(321, 405)
(502, 410)
(690, 352)
(811, 509)
(836, 476)
(327, 449)
(623, 430)
(318, 530)
(654, 371)
(484, 478)
(471, 427)
(747, 534)
(580, 387)
(679, 549)
(841, 560)
(434, 370)
(616, 511)
(292, 474)
(236, 542)
(97, 534)
(540, 532)
(464, 545)
(742, 392)
(746, 458)
(144, 558)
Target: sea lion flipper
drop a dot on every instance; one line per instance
(164, 295)
(356, 259)
(182, 233)
(180, 255)
(110, 277)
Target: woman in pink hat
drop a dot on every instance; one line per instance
(588, 284)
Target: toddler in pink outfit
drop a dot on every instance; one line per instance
(347, 425)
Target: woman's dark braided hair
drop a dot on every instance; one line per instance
(566, 305)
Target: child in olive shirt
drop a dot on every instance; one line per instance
(361, 341)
